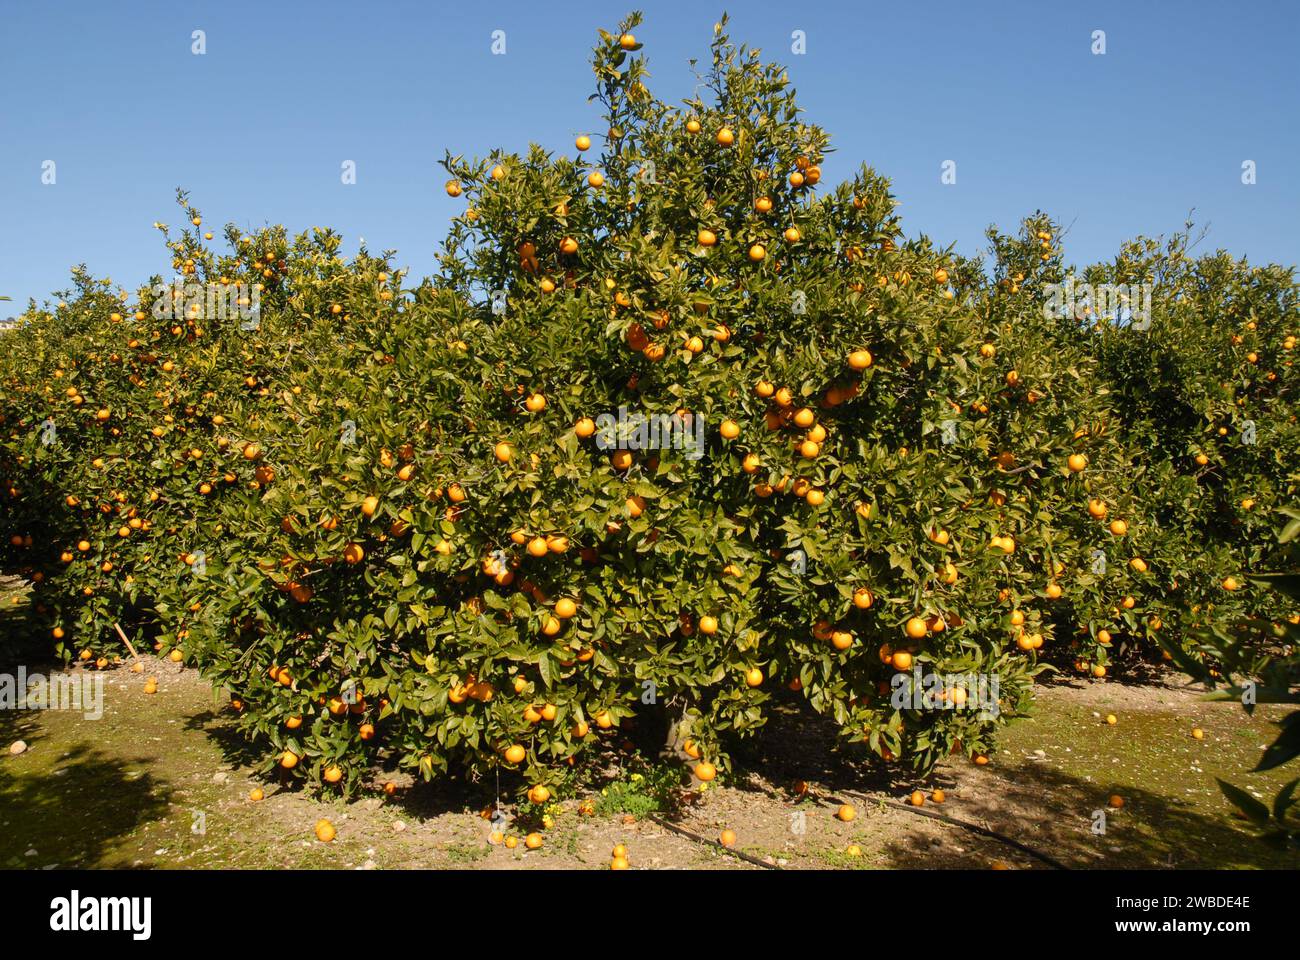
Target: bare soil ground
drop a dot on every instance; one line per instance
(163, 781)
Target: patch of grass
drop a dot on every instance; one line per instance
(466, 852)
(639, 793)
(839, 859)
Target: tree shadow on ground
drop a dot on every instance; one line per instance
(74, 812)
(236, 750)
(1056, 814)
(797, 743)
(1032, 802)
(449, 794)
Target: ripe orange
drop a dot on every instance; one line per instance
(705, 771)
(727, 838)
(706, 238)
(860, 359)
(325, 831)
(726, 137)
(846, 813)
(503, 451)
(915, 628)
(754, 677)
(515, 753)
(256, 794)
(917, 798)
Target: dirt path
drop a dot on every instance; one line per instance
(163, 781)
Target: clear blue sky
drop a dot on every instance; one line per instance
(257, 128)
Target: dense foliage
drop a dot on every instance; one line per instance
(394, 517)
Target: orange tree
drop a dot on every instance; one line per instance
(858, 469)
(1205, 393)
(673, 430)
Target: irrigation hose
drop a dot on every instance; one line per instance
(931, 814)
(966, 825)
(712, 843)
